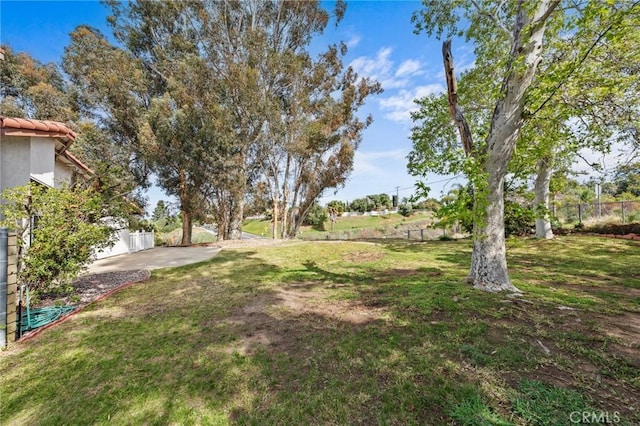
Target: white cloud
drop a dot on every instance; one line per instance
(374, 164)
(378, 67)
(401, 105)
(408, 68)
(353, 41)
(381, 69)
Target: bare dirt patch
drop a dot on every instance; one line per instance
(316, 302)
(625, 327)
(363, 256)
(267, 319)
(562, 343)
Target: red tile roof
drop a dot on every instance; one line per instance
(11, 126)
(26, 127)
(77, 162)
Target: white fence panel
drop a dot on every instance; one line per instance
(140, 241)
(121, 245)
(148, 240)
(128, 242)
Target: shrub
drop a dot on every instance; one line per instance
(65, 230)
(405, 209)
(361, 205)
(137, 224)
(518, 220)
(316, 217)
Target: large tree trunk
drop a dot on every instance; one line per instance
(274, 234)
(186, 228)
(541, 200)
(285, 199)
(235, 218)
(488, 262)
(222, 216)
(185, 210)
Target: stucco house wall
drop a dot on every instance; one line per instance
(63, 174)
(14, 154)
(43, 157)
(35, 150)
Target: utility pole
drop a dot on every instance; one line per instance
(598, 191)
(397, 203)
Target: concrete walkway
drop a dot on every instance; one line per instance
(156, 258)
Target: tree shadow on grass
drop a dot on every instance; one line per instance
(215, 344)
(194, 346)
(264, 361)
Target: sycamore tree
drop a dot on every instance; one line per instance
(586, 97)
(510, 39)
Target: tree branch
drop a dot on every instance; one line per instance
(547, 13)
(493, 19)
(452, 91)
(581, 61)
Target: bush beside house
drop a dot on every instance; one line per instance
(61, 236)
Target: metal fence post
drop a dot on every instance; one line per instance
(622, 205)
(408, 234)
(422, 235)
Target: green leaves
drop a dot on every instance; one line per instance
(58, 230)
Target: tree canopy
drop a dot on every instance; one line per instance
(216, 98)
(528, 57)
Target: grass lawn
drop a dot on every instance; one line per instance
(347, 333)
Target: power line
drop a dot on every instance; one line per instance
(426, 183)
(397, 189)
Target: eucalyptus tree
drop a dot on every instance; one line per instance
(146, 95)
(315, 141)
(293, 116)
(510, 39)
(31, 89)
(217, 96)
(110, 94)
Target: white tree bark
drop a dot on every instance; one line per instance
(489, 260)
(541, 192)
(489, 263)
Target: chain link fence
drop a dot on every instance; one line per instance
(590, 213)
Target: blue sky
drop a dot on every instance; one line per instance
(381, 45)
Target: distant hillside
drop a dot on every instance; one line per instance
(392, 225)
